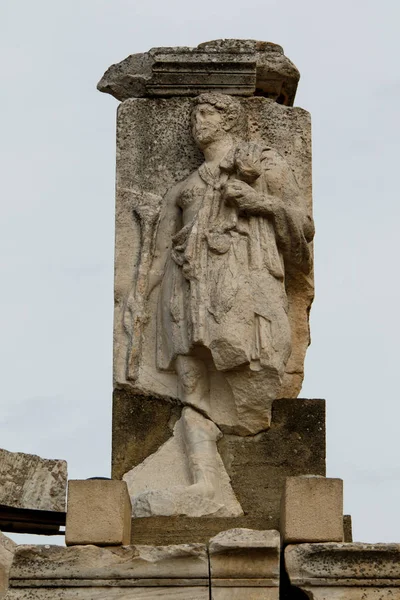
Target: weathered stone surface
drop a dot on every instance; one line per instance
(29, 481)
(244, 593)
(236, 67)
(175, 530)
(7, 549)
(120, 573)
(167, 468)
(349, 593)
(150, 593)
(141, 424)
(245, 564)
(312, 510)
(347, 528)
(258, 467)
(64, 566)
(99, 512)
(245, 554)
(322, 563)
(345, 571)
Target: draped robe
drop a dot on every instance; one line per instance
(224, 282)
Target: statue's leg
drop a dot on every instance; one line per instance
(200, 436)
(194, 386)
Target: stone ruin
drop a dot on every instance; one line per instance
(218, 483)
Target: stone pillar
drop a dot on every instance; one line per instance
(213, 284)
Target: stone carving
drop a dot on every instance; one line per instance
(223, 240)
(213, 277)
(191, 471)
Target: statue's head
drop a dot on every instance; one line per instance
(216, 116)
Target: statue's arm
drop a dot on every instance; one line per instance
(276, 195)
(168, 224)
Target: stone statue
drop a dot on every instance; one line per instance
(224, 239)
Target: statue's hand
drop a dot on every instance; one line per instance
(145, 204)
(135, 311)
(248, 161)
(241, 194)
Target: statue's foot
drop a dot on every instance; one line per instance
(195, 500)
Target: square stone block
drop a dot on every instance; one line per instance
(240, 554)
(244, 565)
(98, 512)
(312, 510)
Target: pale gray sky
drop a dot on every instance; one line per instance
(56, 237)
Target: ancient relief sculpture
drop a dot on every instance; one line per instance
(225, 237)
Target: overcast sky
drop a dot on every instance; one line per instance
(57, 190)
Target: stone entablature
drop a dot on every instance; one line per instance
(236, 67)
(236, 564)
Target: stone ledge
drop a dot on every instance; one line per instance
(240, 564)
(108, 583)
(345, 571)
(173, 593)
(68, 567)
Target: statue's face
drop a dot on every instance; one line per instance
(207, 125)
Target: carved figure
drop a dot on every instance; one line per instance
(224, 239)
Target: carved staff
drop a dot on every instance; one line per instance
(147, 208)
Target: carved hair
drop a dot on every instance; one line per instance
(231, 108)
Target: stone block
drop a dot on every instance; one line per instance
(30, 482)
(244, 564)
(120, 573)
(312, 510)
(141, 424)
(241, 67)
(257, 466)
(99, 512)
(245, 554)
(7, 549)
(345, 571)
